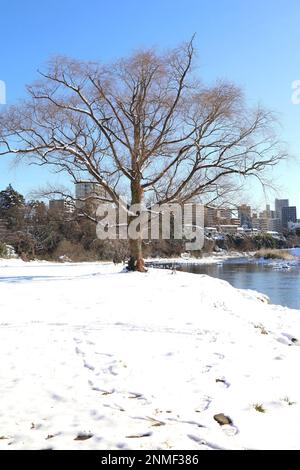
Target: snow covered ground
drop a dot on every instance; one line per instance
(92, 358)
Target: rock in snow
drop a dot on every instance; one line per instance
(99, 359)
(222, 420)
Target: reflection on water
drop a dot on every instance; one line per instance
(282, 286)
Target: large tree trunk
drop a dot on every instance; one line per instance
(136, 261)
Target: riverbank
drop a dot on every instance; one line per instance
(219, 258)
(95, 358)
(208, 258)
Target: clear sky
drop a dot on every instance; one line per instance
(255, 43)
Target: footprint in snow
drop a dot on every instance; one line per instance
(230, 430)
(206, 369)
(291, 338)
(219, 356)
(79, 352)
(288, 340)
(88, 366)
(204, 443)
(182, 421)
(223, 382)
(139, 435)
(112, 371)
(152, 421)
(203, 405)
(83, 437)
(114, 406)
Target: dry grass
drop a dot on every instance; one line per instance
(274, 254)
(288, 401)
(262, 329)
(259, 408)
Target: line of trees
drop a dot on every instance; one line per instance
(37, 231)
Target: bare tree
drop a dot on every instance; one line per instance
(143, 126)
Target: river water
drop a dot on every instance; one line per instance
(281, 285)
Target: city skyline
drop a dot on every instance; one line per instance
(277, 219)
(79, 193)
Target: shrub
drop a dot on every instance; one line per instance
(71, 251)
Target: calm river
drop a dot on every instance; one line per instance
(281, 285)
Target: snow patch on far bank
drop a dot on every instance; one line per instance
(206, 259)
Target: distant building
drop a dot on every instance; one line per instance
(266, 221)
(279, 205)
(255, 222)
(269, 220)
(88, 192)
(225, 214)
(61, 205)
(244, 215)
(210, 216)
(235, 222)
(264, 224)
(275, 225)
(289, 214)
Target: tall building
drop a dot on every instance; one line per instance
(268, 221)
(255, 221)
(88, 191)
(210, 216)
(279, 205)
(214, 216)
(264, 224)
(268, 211)
(244, 215)
(275, 225)
(289, 214)
(225, 213)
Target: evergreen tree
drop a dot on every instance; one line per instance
(9, 198)
(12, 206)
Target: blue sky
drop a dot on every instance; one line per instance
(254, 43)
